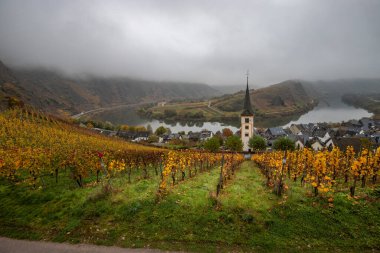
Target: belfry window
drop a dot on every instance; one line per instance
(246, 120)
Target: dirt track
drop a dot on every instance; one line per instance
(20, 246)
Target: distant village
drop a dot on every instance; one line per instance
(317, 136)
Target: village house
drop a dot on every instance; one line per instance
(343, 143)
(134, 136)
(105, 131)
(200, 136)
(206, 134)
(169, 137)
(275, 132)
(161, 104)
(301, 141)
(296, 129)
(316, 144)
(367, 124)
(322, 134)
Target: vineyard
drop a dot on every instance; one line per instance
(60, 182)
(326, 171)
(34, 148)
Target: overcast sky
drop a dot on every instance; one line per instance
(212, 42)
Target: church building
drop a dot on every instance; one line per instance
(247, 122)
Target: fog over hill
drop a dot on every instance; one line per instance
(54, 92)
(211, 42)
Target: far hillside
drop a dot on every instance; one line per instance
(363, 93)
(276, 102)
(369, 101)
(282, 97)
(55, 92)
(335, 89)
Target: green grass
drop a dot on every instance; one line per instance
(247, 216)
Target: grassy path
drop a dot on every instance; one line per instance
(247, 216)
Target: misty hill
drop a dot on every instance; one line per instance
(282, 97)
(273, 104)
(55, 92)
(338, 88)
(8, 86)
(228, 89)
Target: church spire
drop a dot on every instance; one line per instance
(247, 102)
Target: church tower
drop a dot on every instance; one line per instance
(246, 120)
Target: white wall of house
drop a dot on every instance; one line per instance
(299, 144)
(317, 146)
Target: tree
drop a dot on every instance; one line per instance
(124, 127)
(234, 143)
(108, 125)
(226, 132)
(149, 128)
(140, 129)
(170, 113)
(160, 130)
(89, 125)
(284, 143)
(132, 129)
(257, 143)
(365, 143)
(198, 115)
(220, 139)
(212, 144)
(153, 138)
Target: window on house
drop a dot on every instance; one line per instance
(246, 135)
(246, 127)
(246, 120)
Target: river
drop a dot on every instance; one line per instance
(326, 111)
(331, 111)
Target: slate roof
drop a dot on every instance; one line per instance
(367, 123)
(343, 143)
(276, 131)
(133, 135)
(320, 132)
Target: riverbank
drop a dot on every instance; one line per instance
(205, 112)
(370, 102)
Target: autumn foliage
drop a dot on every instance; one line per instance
(322, 170)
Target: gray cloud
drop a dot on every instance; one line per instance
(202, 41)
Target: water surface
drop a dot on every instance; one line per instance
(331, 112)
(326, 111)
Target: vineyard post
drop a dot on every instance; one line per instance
(56, 175)
(352, 188)
(304, 171)
(162, 176)
(375, 166)
(43, 182)
(155, 168)
(366, 169)
(220, 183)
(296, 167)
(280, 183)
(173, 174)
(346, 169)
